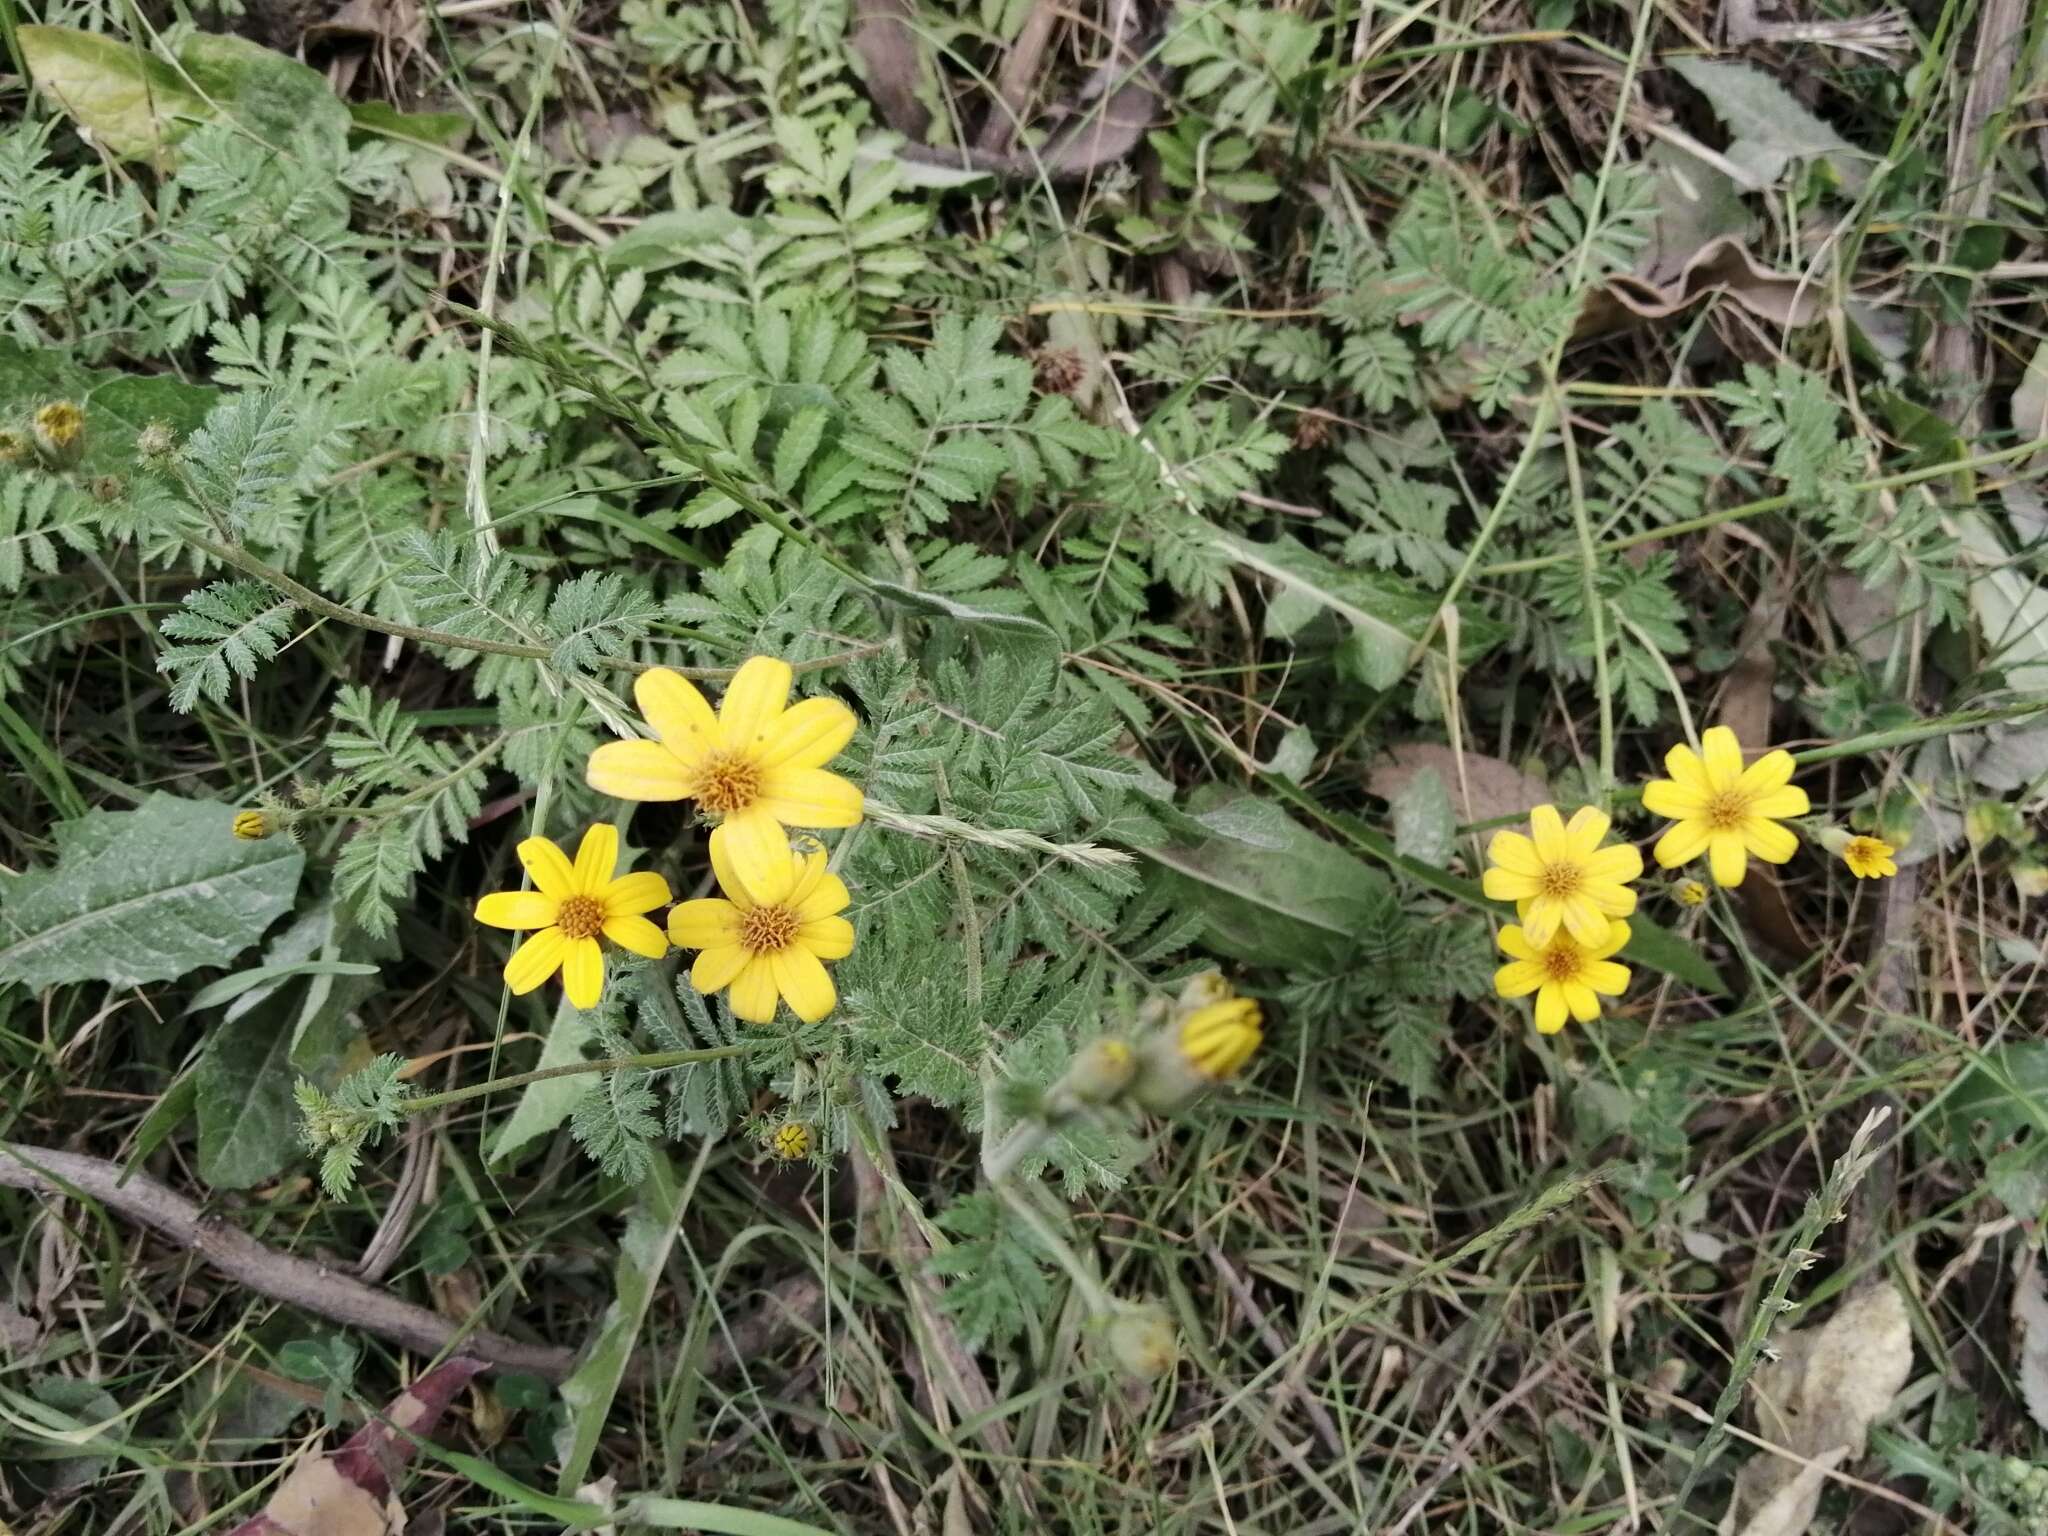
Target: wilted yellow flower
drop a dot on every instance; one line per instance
(570, 906)
(1869, 858)
(60, 432)
(1219, 1038)
(791, 1141)
(1562, 877)
(1143, 1340)
(1567, 977)
(767, 938)
(253, 826)
(1722, 809)
(756, 763)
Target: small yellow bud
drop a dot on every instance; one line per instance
(1869, 858)
(1690, 893)
(1143, 1340)
(253, 826)
(790, 1142)
(1220, 1038)
(1099, 1072)
(15, 449)
(60, 433)
(2030, 879)
(1202, 989)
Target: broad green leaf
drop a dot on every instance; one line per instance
(1767, 124)
(270, 94)
(546, 1106)
(933, 605)
(2010, 607)
(228, 988)
(1658, 948)
(1424, 827)
(144, 895)
(246, 1115)
(131, 104)
(445, 129)
(1274, 893)
(643, 1251)
(714, 1519)
(117, 405)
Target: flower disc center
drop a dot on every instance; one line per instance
(1727, 810)
(580, 917)
(1561, 962)
(728, 782)
(1560, 880)
(767, 929)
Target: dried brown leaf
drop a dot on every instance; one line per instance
(1481, 788)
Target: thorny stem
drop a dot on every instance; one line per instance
(654, 1062)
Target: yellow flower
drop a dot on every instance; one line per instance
(1219, 1038)
(1690, 893)
(756, 763)
(767, 938)
(1869, 858)
(1722, 809)
(252, 826)
(1568, 978)
(791, 1141)
(60, 432)
(1563, 877)
(570, 906)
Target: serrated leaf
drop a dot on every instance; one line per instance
(144, 895)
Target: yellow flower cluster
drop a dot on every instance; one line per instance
(1571, 893)
(758, 764)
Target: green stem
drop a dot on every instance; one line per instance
(654, 1062)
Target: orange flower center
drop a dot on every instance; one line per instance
(727, 782)
(767, 929)
(580, 917)
(1728, 810)
(1561, 963)
(1559, 880)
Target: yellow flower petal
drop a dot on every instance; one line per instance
(810, 869)
(810, 797)
(755, 851)
(596, 857)
(706, 923)
(808, 735)
(1771, 771)
(1617, 938)
(1548, 829)
(753, 703)
(728, 878)
(1727, 858)
(1780, 803)
(1515, 853)
(828, 896)
(1606, 976)
(1769, 841)
(630, 895)
(638, 935)
(637, 770)
(829, 938)
(804, 983)
(547, 866)
(753, 992)
(1662, 797)
(1586, 923)
(1612, 900)
(1583, 832)
(1580, 999)
(1550, 1009)
(1509, 885)
(1613, 865)
(1723, 755)
(1687, 771)
(534, 961)
(517, 909)
(1541, 918)
(717, 966)
(1518, 978)
(1514, 942)
(583, 973)
(1682, 843)
(678, 713)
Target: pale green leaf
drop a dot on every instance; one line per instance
(545, 1106)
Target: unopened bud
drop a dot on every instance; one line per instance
(1099, 1073)
(155, 441)
(1197, 1051)
(1202, 989)
(15, 449)
(1143, 1341)
(2030, 879)
(791, 1142)
(1834, 839)
(253, 826)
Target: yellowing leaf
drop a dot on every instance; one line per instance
(131, 104)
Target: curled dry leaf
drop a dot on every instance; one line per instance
(1481, 788)
(1818, 1400)
(350, 1492)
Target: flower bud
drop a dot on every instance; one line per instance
(791, 1142)
(155, 441)
(1835, 839)
(1195, 1052)
(1200, 990)
(1099, 1073)
(15, 449)
(1143, 1341)
(1690, 893)
(2030, 879)
(60, 433)
(253, 826)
